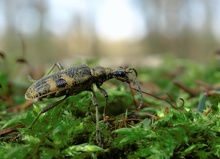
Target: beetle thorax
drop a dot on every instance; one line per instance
(101, 74)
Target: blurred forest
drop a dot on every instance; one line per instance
(184, 28)
(179, 117)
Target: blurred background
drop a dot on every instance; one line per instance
(133, 32)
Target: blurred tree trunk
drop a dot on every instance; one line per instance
(10, 42)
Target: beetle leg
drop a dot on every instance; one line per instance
(56, 64)
(105, 94)
(43, 110)
(95, 102)
(31, 79)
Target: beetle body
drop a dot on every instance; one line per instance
(74, 80)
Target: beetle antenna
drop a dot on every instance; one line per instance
(136, 82)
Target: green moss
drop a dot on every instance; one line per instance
(69, 130)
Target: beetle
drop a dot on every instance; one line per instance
(74, 80)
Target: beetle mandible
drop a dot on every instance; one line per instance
(74, 80)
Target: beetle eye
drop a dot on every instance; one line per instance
(120, 74)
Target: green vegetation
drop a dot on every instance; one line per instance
(179, 119)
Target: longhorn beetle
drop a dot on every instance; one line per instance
(74, 80)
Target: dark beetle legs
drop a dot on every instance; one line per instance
(48, 107)
(95, 102)
(105, 94)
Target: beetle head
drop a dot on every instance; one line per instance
(128, 75)
(122, 74)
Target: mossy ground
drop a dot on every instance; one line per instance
(179, 118)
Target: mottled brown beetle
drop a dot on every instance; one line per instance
(74, 80)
